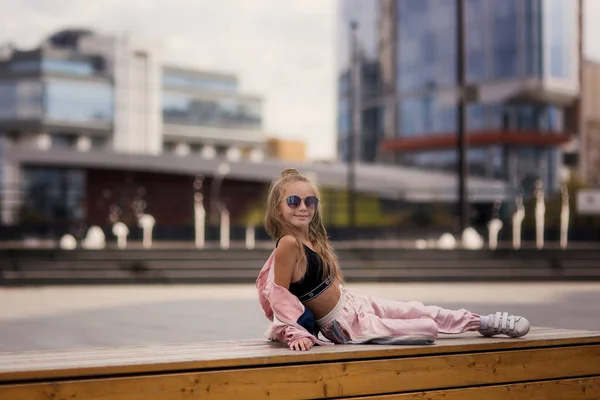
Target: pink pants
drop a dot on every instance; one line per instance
(363, 318)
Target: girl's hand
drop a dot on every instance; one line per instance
(301, 344)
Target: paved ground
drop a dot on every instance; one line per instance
(95, 316)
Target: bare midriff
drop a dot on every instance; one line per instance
(325, 302)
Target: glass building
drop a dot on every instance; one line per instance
(521, 56)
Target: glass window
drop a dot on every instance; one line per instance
(482, 161)
(171, 79)
(533, 33)
(183, 109)
(372, 133)
(68, 67)
(343, 150)
(476, 117)
(423, 116)
(54, 194)
(426, 44)
(21, 99)
(505, 44)
(553, 119)
(343, 116)
(24, 66)
(560, 24)
(475, 40)
(79, 101)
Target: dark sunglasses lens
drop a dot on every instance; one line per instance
(293, 201)
(311, 202)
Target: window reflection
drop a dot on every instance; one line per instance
(53, 195)
(78, 101)
(171, 79)
(186, 110)
(561, 28)
(533, 40)
(67, 67)
(372, 133)
(21, 100)
(426, 44)
(423, 116)
(484, 161)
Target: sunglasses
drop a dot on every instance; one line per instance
(293, 201)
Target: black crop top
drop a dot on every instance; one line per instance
(312, 284)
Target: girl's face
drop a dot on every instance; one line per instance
(298, 204)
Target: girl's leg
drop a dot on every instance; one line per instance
(447, 321)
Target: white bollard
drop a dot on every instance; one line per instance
(147, 222)
(564, 219)
(121, 231)
(540, 211)
(517, 221)
(94, 239)
(446, 242)
(224, 229)
(199, 221)
(421, 244)
(68, 242)
(471, 240)
(250, 237)
(494, 227)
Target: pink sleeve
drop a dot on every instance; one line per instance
(285, 333)
(286, 311)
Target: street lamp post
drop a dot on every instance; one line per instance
(463, 167)
(354, 133)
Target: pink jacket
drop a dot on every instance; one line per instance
(289, 317)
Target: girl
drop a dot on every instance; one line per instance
(301, 293)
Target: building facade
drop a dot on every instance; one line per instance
(588, 149)
(522, 58)
(85, 92)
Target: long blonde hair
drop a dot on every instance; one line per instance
(277, 227)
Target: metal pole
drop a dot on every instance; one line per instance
(215, 195)
(355, 130)
(463, 167)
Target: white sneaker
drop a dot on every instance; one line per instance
(504, 324)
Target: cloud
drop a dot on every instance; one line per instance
(283, 51)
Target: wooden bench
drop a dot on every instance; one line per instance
(547, 364)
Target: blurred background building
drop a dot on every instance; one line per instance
(96, 127)
(587, 152)
(81, 95)
(523, 64)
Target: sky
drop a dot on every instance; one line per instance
(281, 50)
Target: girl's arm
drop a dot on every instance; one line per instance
(286, 257)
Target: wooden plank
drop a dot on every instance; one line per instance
(226, 354)
(566, 389)
(326, 380)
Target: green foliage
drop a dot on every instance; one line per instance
(368, 210)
